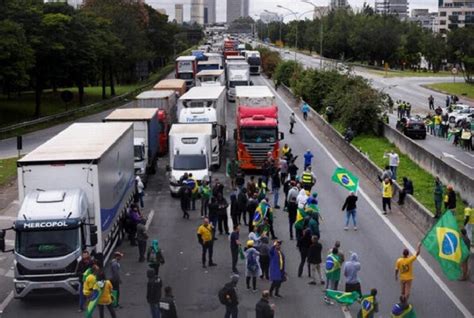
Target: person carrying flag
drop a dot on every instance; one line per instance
(369, 305)
(403, 309)
(333, 271)
(105, 295)
(404, 269)
(193, 185)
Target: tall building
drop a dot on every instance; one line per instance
(455, 14)
(179, 13)
(425, 19)
(392, 7)
(210, 11)
(197, 12)
(237, 9)
(336, 4)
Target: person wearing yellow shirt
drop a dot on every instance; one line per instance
(437, 125)
(105, 299)
(469, 221)
(387, 194)
(285, 150)
(205, 234)
(404, 270)
(90, 281)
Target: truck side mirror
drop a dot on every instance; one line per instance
(93, 235)
(282, 135)
(235, 134)
(2, 240)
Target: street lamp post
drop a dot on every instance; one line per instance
(320, 11)
(296, 17)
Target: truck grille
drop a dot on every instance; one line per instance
(259, 152)
(70, 269)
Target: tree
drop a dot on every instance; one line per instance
(434, 50)
(286, 70)
(461, 50)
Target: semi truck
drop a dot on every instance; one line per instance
(166, 102)
(256, 135)
(177, 85)
(238, 74)
(146, 140)
(230, 48)
(74, 190)
(215, 57)
(190, 152)
(253, 58)
(186, 69)
(206, 104)
(207, 65)
(210, 78)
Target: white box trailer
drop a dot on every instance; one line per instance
(165, 100)
(74, 191)
(210, 78)
(206, 104)
(238, 74)
(190, 152)
(254, 96)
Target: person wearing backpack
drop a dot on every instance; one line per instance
(252, 265)
(155, 257)
(228, 297)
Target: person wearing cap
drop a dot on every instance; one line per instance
(252, 265)
(308, 157)
(153, 293)
(404, 270)
(277, 268)
(116, 279)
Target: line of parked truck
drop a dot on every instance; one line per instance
(75, 188)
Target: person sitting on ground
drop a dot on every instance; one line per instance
(406, 189)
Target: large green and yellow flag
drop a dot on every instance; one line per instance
(399, 312)
(444, 243)
(300, 215)
(343, 297)
(345, 178)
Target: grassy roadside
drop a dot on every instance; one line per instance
(7, 170)
(459, 89)
(395, 73)
(101, 107)
(423, 181)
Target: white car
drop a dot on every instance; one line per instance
(457, 116)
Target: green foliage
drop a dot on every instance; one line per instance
(7, 170)
(270, 60)
(286, 70)
(461, 49)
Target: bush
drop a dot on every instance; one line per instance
(286, 70)
(270, 60)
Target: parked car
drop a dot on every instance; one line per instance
(458, 116)
(412, 127)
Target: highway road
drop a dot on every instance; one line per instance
(378, 242)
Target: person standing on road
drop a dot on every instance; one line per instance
(153, 293)
(404, 270)
(155, 257)
(139, 191)
(185, 199)
(438, 197)
(213, 207)
(251, 186)
(232, 167)
(369, 305)
(465, 264)
(308, 179)
(308, 158)
(264, 259)
(351, 210)
(205, 238)
(406, 189)
(333, 270)
(116, 278)
(351, 269)
(242, 201)
(167, 304)
(387, 193)
(469, 221)
(431, 102)
(264, 309)
(305, 110)
(304, 242)
(89, 282)
(252, 265)
(83, 266)
(448, 101)
(142, 238)
(283, 164)
(105, 299)
(394, 161)
(222, 214)
(205, 192)
(292, 206)
(228, 297)
(277, 268)
(234, 247)
(292, 122)
(252, 205)
(314, 260)
(234, 209)
(276, 184)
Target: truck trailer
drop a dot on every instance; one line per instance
(253, 58)
(74, 191)
(186, 69)
(238, 74)
(146, 140)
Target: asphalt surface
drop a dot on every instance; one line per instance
(378, 242)
(411, 90)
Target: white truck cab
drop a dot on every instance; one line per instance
(210, 78)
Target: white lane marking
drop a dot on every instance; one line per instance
(149, 219)
(5, 302)
(448, 155)
(400, 236)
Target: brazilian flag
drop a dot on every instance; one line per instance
(333, 267)
(341, 297)
(445, 244)
(95, 296)
(367, 306)
(260, 213)
(300, 215)
(399, 312)
(345, 178)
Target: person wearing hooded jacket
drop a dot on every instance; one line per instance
(153, 293)
(252, 265)
(155, 257)
(351, 269)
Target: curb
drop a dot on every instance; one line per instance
(471, 100)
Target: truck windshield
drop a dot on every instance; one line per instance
(254, 60)
(185, 76)
(238, 83)
(189, 162)
(47, 243)
(258, 135)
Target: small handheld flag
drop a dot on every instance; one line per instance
(345, 178)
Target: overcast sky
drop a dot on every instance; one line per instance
(257, 6)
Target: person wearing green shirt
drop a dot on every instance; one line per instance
(205, 192)
(438, 196)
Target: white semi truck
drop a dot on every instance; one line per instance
(74, 191)
(210, 78)
(206, 104)
(186, 69)
(238, 74)
(253, 58)
(190, 152)
(146, 130)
